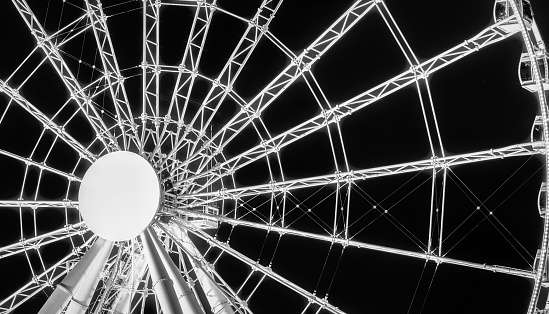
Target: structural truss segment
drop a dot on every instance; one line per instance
(486, 37)
(98, 20)
(59, 131)
(150, 70)
(38, 204)
(345, 242)
(222, 85)
(525, 149)
(36, 242)
(51, 50)
(41, 165)
(188, 69)
(289, 75)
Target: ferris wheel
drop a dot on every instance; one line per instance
(209, 156)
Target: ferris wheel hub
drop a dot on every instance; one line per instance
(119, 196)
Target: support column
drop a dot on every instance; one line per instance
(79, 284)
(217, 300)
(185, 295)
(173, 291)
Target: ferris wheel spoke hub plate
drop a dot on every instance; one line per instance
(119, 196)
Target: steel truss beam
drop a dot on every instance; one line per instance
(290, 74)
(189, 63)
(71, 83)
(151, 54)
(38, 204)
(57, 35)
(525, 149)
(96, 87)
(59, 131)
(41, 166)
(110, 66)
(44, 280)
(257, 26)
(37, 242)
(345, 242)
(485, 38)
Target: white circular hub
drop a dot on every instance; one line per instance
(119, 196)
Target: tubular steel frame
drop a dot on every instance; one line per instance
(199, 169)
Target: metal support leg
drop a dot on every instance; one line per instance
(174, 294)
(218, 301)
(79, 284)
(186, 296)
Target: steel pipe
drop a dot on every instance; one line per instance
(79, 284)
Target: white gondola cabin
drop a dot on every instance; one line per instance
(542, 199)
(544, 279)
(503, 10)
(526, 73)
(537, 130)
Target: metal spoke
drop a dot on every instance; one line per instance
(38, 204)
(230, 192)
(59, 131)
(485, 38)
(288, 76)
(190, 61)
(150, 70)
(347, 242)
(525, 149)
(71, 83)
(41, 166)
(37, 242)
(237, 61)
(110, 65)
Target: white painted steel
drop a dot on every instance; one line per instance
(162, 284)
(78, 286)
(167, 167)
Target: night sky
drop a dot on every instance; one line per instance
(490, 207)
